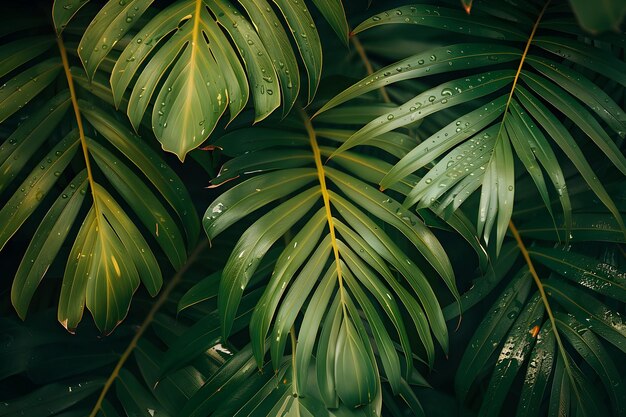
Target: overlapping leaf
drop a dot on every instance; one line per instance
(195, 59)
(338, 264)
(53, 164)
(563, 343)
(512, 82)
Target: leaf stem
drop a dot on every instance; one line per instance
(546, 303)
(521, 64)
(326, 197)
(358, 46)
(79, 122)
(144, 325)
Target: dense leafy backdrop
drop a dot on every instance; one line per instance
(334, 208)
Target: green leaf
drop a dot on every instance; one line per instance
(521, 139)
(578, 114)
(298, 294)
(306, 37)
(353, 364)
(566, 142)
(590, 348)
(514, 353)
(162, 176)
(581, 87)
(388, 250)
(334, 13)
(277, 42)
(202, 291)
(538, 373)
(598, 276)
(46, 243)
(453, 20)
(326, 356)
(105, 30)
(252, 194)
(491, 331)
(585, 227)
(287, 265)
(252, 246)
(50, 399)
(593, 58)
(433, 100)
(542, 150)
(392, 213)
(19, 90)
(223, 383)
(148, 208)
(256, 58)
(587, 309)
(443, 140)
(35, 187)
(21, 51)
(442, 60)
(64, 10)
(265, 160)
(384, 344)
(307, 336)
(22, 144)
(385, 300)
(484, 284)
(451, 169)
(135, 399)
(369, 255)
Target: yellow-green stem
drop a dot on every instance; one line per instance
(521, 64)
(79, 123)
(326, 197)
(544, 299)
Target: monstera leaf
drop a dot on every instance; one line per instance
(195, 59)
(70, 161)
(519, 93)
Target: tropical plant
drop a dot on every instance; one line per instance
(341, 271)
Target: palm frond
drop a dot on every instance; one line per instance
(70, 149)
(541, 79)
(554, 339)
(195, 59)
(338, 269)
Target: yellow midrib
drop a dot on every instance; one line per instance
(326, 197)
(544, 299)
(192, 59)
(83, 140)
(521, 64)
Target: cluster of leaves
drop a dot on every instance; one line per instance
(346, 236)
